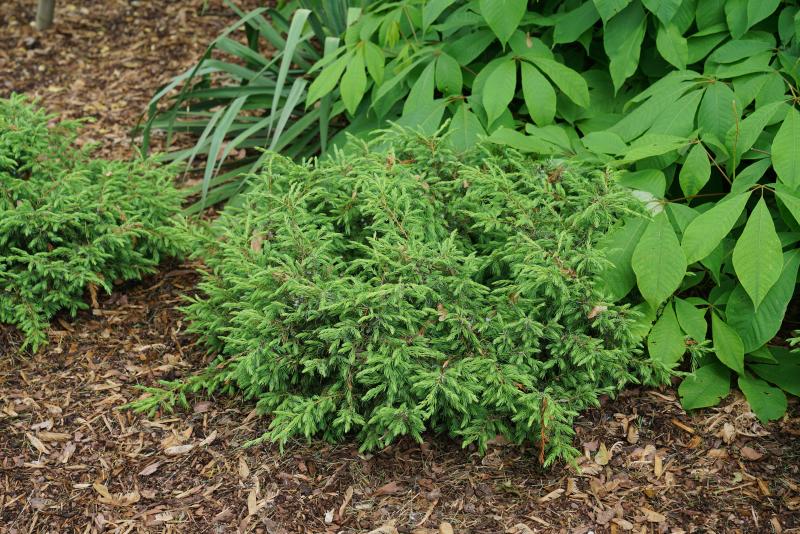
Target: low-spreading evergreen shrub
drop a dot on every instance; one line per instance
(69, 223)
(421, 290)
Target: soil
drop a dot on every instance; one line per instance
(72, 459)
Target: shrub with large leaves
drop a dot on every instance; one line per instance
(712, 145)
(696, 100)
(388, 294)
(69, 222)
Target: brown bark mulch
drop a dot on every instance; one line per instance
(72, 460)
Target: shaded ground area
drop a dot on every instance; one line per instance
(72, 461)
(105, 59)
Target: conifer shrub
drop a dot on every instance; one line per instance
(386, 294)
(71, 224)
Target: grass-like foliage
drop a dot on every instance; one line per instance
(387, 294)
(70, 223)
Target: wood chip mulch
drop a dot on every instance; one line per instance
(71, 460)
(104, 59)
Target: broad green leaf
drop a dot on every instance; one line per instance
(468, 47)
(354, 83)
(524, 143)
(431, 11)
(644, 322)
(737, 50)
(540, 98)
(790, 199)
(727, 344)
(710, 13)
(705, 387)
(699, 46)
(636, 122)
(604, 143)
(751, 65)
(695, 171)
(750, 176)
(672, 46)
(650, 180)
(681, 215)
(557, 135)
(651, 145)
(767, 402)
(425, 116)
(761, 355)
(691, 319)
(388, 89)
(609, 8)
(571, 25)
(705, 232)
(448, 75)
(622, 40)
(465, 129)
(529, 48)
(718, 110)
(741, 136)
(421, 92)
(666, 342)
(503, 16)
(786, 26)
(664, 10)
(757, 256)
(678, 117)
(773, 90)
(658, 261)
(736, 16)
(758, 327)
(570, 82)
(500, 88)
(785, 372)
(786, 150)
(373, 57)
(747, 88)
(327, 79)
(758, 11)
(618, 247)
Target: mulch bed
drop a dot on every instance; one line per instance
(71, 460)
(104, 59)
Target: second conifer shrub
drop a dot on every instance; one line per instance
(71, 224)
(389, 293)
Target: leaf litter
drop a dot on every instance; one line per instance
(71, 460)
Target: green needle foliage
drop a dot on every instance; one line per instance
(386, 295)
(69, 222)
(697, 102)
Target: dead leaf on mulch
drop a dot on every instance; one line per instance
(750, 453)
(652, 516)
(178, 450)
(388, 489)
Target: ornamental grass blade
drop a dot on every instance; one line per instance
(292, 39)
(216, 140)
(295, 95)
(331, 44)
